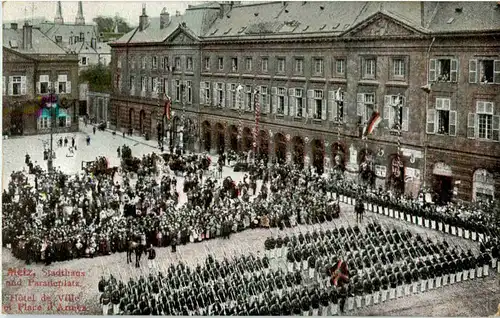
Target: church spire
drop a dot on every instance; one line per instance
(80, 20)
(59, 18)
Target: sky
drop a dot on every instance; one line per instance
(129, 10)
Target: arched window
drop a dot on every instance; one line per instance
(483, 186)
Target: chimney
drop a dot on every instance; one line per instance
(59, 18)
(143, 19)
(164, 18)
(13, 26)
(27, 36)
(80, 20)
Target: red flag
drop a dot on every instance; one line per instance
(341, 274)
(168, 103)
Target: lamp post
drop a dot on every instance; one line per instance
(53, 104)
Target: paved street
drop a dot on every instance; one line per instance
(477, 298)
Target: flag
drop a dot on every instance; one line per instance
(372, 124)
(341, 274)
(168, 103)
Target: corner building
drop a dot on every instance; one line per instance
(320, 69)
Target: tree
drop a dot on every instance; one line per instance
(107, 24)
(99, 78)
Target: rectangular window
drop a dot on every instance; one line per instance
(443, 70)
(299, 66)
(84, 60)
(248, 64)
(207, 92)
(398, 68)
(280, 110)
(396, 112)
(369, 66)
(299, 102)
(318, 67)
(220, 94)
(443, 116)
(155, 85)
(164, 86)
(166, 65)
(144, 81)
(44, 84)
(365, 106)
(234, 64)
(143, 62)
(189, 63)
(248, 98)
(221, 63)
(264, 101)
(487, 71)
(206, 63)
(178, 64)
(154, 62)
(16, 85)
(281, 65)
(189, 93)
(132, 83)
(178, 90)
(336, 100)
(318, 104)
(62, 84)
(265, 64)
(232, 97)
(484, 115)
(340, 67)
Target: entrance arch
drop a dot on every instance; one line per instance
(131, 115)
(318, 155)
(233, 138)
(298, 151)
(142, 119)
(396, 181)
(366, 168)
(263, 146)
(442, 183)
(247, 139)
(220, 140)
(339, 156)
(206, 135)
(280, 148)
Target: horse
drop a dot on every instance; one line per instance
(134, 246)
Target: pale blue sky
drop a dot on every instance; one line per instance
(129, 10)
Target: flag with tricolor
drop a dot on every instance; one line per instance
(375, 119)
(168, 106)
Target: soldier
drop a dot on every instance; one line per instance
(102, 284)
(151, 256)
(115, 300)
(105, 299)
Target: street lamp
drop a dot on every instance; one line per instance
(53, 105)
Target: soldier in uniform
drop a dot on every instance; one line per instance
(115, 300)
(105, 299)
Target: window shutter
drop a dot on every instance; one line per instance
(202, 92)
(496, 71)
(454, 70)
(224, 101)
(68, 87)
(261, 101)
(446, 104)
(471, 126)
(214, 96)
(406, 119)
(37, 87)
(274, 92)
(286, 108)
(304, 107)
(310, 103)
(23, 85)
(162, 63)
(432, 70)
(57, 87)
(11, 88)
(267, 103)
(291, 101)
(360, 109)
(453, 123)
(472, 71)
(323, 109)
(431, 121)
(332, 105)
(496, 128)
(387, 110)
(229, 101)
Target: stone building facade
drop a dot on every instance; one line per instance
(32, 65)
(430, 70)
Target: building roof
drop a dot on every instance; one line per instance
(196, 18)
(466, 16)
(66, 30)
(297, 19)
(41, 44)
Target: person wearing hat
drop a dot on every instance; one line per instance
(105, 299)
